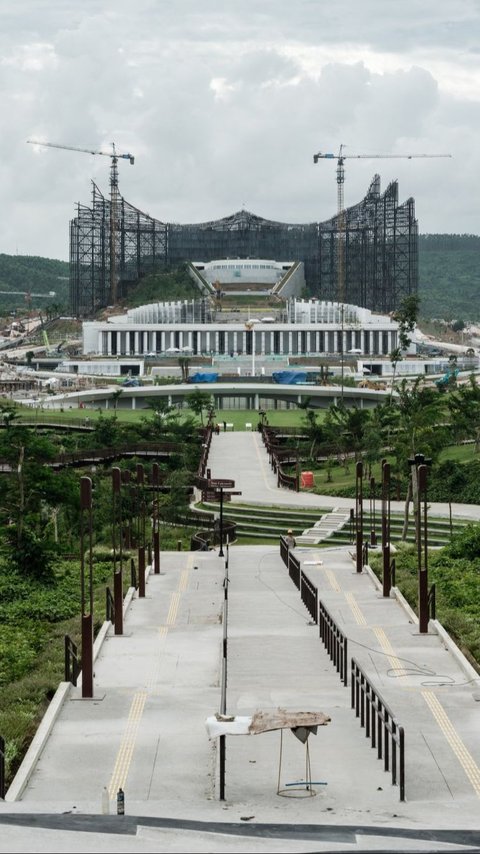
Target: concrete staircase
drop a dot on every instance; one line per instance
(329, 524)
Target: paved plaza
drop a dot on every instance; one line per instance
(145, 731)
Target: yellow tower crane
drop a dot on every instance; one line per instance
(115, 157)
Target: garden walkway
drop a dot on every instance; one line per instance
(156, 685)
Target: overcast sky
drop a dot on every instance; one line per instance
(223, 105)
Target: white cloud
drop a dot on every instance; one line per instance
(223, 105)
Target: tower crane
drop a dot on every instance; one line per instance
(341, 157)
(115, 157)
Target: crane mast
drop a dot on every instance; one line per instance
(341, 219)
(115, 157)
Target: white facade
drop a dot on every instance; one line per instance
(243, 270)
(313, 328)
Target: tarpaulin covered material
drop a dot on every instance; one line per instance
(201, 377)
(289, 377)
(264, 722)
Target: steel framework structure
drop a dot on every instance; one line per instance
(380, 249)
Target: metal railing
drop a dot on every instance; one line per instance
(133, 574)
(380, 725)
(335, 642)
(294, 569)
(109, 606)
(309, 596)
(72, 661)
(201, 540)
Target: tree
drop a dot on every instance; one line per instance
(184, 363)
(198, 401)
(464, 408)
(116, 395)
(417, 425)
(406, 317)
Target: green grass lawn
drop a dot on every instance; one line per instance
(237, 417)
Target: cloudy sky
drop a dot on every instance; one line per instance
(223, 105)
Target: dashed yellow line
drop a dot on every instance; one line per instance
(332, 578)
(127, 746)
(124, 756)
(173, 610)
(390, 652)
(183, 583)
(354, 607)
(152, 685)
(463, 755)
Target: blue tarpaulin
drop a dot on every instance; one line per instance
(289, 377)
(201, 377)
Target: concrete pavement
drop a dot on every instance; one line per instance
(144, 730)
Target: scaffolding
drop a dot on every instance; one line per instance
(380, 258)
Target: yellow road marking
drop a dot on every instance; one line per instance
(353, 604)
(127, 746)
(183, 583)
(172, 611)
(388, 649)
(332, 578)
(463, 755)
(124, 756)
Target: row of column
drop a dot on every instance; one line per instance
(266, 342)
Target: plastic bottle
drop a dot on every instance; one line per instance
(120, 802)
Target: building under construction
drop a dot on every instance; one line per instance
(371, 248)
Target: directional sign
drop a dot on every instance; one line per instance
(218, 483)
(219, 494)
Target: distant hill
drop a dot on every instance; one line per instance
(449, 279)
(449, 276)
(35, 275)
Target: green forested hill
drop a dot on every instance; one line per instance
(36, 275)
(449, 279)
(449, 276)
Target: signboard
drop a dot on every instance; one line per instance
(218, 483)
(226, 494)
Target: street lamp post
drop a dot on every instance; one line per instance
(117, 539)
(156, 519)
(250, 327)
(141, 529)
(386, 574)
(373, 533)
(220, 551)
(419, 489)
(86, 584)
(359, 516)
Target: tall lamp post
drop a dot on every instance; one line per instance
(117, 536)
(250, 327)
(359, 515)
(156, 518)
(418, 466)
(387, 574)
(373, 533)
(86, 584)
(140, 497)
